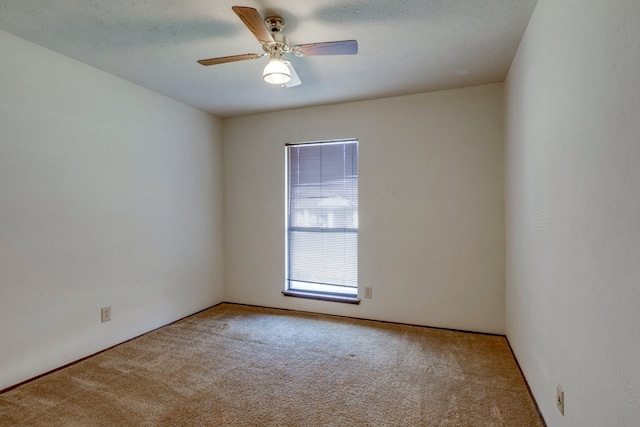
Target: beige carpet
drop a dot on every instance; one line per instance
(243, 366)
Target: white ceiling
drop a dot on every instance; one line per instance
(405, 46)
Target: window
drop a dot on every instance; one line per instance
(322, 220)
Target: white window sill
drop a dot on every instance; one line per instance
(323, 297)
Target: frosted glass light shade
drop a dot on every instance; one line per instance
(276, 72)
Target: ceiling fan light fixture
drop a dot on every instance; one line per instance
(276, 72)
(275, 44)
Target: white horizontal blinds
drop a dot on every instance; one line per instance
(323, 216)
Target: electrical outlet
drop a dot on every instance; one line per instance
(105, 314)
(560, 399)
(368, 292)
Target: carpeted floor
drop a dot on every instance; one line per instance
(234, 365)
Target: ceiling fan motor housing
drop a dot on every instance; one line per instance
(275, 25)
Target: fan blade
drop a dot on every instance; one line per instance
(225, 59)
(343, 47)
(254, 23)
(295, 80)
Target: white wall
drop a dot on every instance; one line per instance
(431, 238)
(109, 195)
(573, 210)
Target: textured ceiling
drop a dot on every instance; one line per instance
(405, 46)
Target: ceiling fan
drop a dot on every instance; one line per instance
(274, 44)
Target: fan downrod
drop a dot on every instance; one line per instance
(275, 24)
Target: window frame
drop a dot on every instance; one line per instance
(317, 294)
